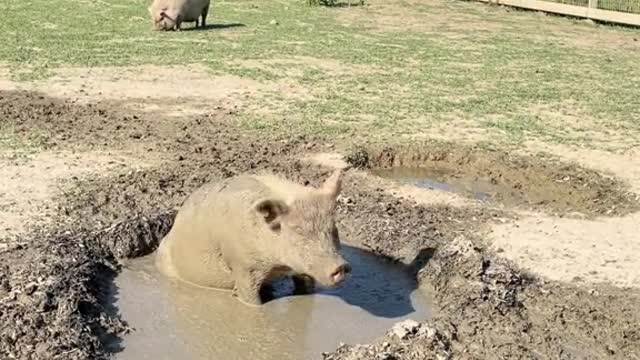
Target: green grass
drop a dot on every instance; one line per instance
(496, 78)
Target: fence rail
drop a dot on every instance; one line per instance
(616, 11)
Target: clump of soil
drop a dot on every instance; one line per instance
(531, 183)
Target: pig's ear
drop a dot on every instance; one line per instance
(272, 211)
(333, 184)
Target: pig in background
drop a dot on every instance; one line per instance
(170, 14)
(242, 233)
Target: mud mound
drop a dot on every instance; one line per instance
(52, 289)
(386, 224)
(531, 183)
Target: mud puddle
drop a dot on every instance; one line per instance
(177, 321)
(536, 183)
(439, 180)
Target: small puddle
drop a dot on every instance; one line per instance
(440, 180)
(173, 320)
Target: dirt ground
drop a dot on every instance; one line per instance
(510, 278)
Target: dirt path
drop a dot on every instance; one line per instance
(156, 89)
(579, 250)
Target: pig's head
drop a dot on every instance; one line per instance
(304, 234)
(164, 18)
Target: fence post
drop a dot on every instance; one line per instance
(593, 4)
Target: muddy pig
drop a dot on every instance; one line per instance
(242, 233)
(170, 14)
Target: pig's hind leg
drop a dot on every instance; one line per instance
(204, 14)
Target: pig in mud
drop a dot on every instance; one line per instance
(170, 14)
(244, 232)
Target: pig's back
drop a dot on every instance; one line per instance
(219, 208)
(236, 192)
(208, 221)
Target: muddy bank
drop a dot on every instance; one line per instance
(487, 308)
(52, 289)
(542, 184)
(53, 281)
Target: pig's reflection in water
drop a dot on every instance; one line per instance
(175, 320)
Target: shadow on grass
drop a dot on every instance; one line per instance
(210, 27)
(336, 4)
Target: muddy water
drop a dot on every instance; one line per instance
(441, 180)
(178, 321)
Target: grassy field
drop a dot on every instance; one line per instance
(392, 70)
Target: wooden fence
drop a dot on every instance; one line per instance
(616, 11)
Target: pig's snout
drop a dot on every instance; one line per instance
(340, 274)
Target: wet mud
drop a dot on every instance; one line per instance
(55, 282)
(438, 180)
